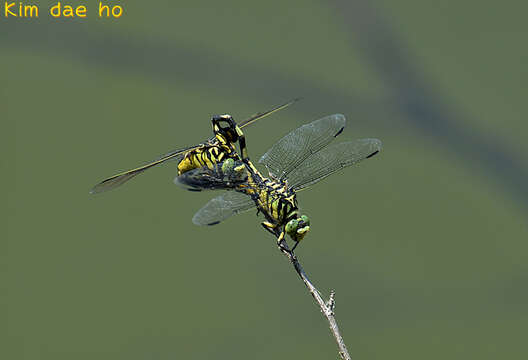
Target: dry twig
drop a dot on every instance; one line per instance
(327, 308)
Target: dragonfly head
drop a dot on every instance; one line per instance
(298, 228)
(225, 128)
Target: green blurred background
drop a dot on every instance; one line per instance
(425, 244)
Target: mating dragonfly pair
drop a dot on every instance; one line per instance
(297, 161)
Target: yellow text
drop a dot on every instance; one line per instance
(11, 10)
(59, 10)
(116, 11)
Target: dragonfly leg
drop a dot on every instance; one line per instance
(272, 229)
(294, 246)
(279, 243)
(269, 226)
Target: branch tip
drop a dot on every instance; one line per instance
(331, 301)
(327, 308)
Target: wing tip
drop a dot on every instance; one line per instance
(339, 116)
(378, 144)
(377, 147)
(95, 190)
(196, 222)
(339, 132)
(340, 120)
(371, 155)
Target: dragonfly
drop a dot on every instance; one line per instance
(299, 160)
(216, 149)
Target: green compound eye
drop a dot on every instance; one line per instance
(291, 227)
(306, 220)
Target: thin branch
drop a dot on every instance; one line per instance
(327, 308)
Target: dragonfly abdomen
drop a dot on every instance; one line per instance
(205, 156)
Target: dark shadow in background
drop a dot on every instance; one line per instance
(167, 63)
(416, 100)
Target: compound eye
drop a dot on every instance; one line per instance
(291, 227)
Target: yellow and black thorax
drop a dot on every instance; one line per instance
(273, 198)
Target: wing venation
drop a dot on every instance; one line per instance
(290, 151)
(331, 159)
(222, 207)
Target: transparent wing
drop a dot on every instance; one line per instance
(261, 115)
(290, 151)
(224, 175)
(331, 159)
(222, 207)
(121, 178)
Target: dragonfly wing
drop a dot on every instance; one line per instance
(261, 115)
(121, 178)
(290, 151)
(224, 175)
(222, 207)
(331, 159)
